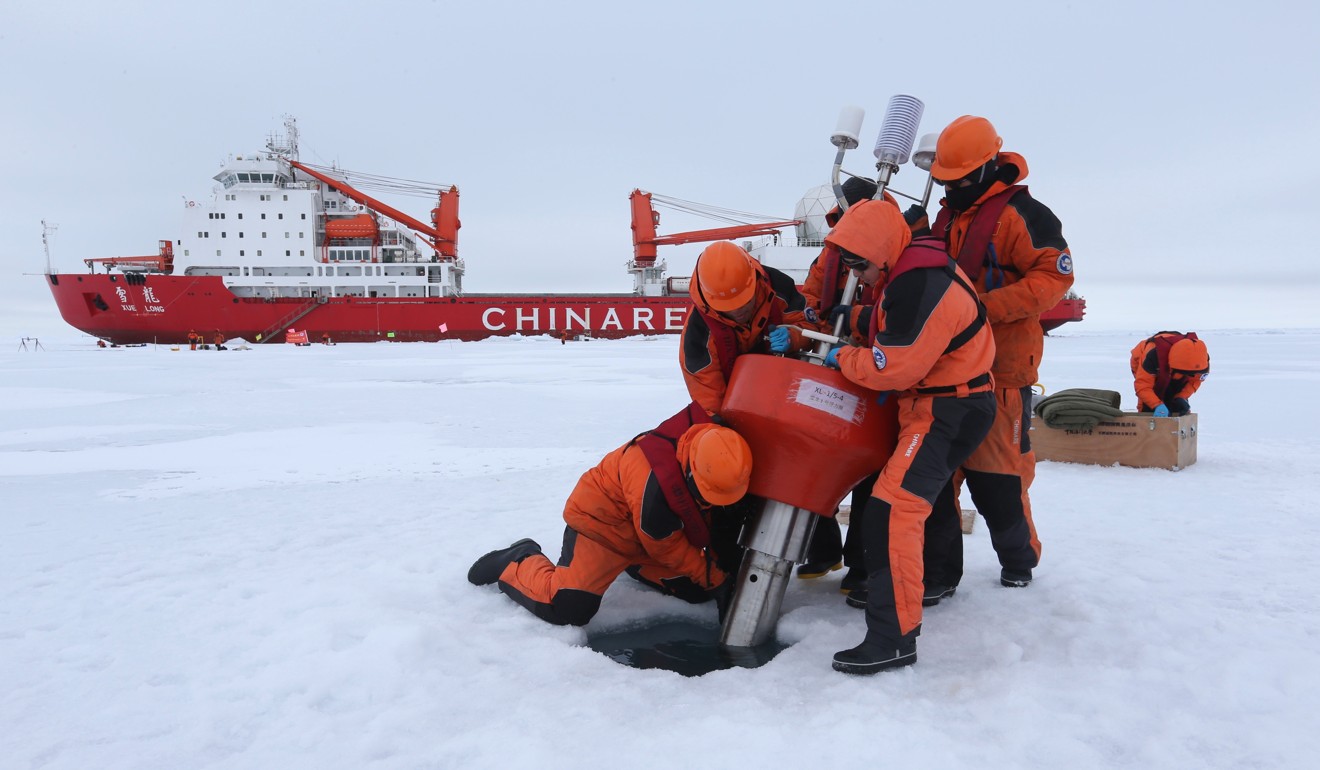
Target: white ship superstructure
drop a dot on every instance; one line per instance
(271, 231)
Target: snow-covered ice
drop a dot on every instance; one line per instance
(256, 559)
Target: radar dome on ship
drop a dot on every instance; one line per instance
(811, 210)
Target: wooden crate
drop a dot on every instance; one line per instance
(966, 517)
(1137, 440)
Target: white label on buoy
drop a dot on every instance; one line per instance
(828, 398)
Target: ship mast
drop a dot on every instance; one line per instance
(287, 145)
(47, 228)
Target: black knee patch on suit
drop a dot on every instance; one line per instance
(573, 607)
(568, 607)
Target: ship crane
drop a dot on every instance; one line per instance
(441, 235)
(645, 220)
(162, 262)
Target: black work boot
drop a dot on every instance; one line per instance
(934, 592)
(488, 568)
(814, 569)
(873, 656)
(1014, 578)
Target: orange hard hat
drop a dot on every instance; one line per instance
(721, 464)
(1189, 356)
(726, 276)
(964, 145)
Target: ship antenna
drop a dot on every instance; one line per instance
(47, 228)
(286, 145)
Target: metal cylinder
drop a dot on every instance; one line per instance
(775, 541)
(781, 531)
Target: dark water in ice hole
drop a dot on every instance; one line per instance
(682, 646)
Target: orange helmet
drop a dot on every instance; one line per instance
(964, 145)
(1189, 356)
(721, 464)
(726, 276)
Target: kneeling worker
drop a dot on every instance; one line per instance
(931, 344)
(648, 504)
(1169, 367)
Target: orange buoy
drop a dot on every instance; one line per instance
(814, 434)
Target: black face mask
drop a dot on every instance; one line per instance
(962, 198)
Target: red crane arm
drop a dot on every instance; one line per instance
(375, 205)
(724, 233)
(645, 239)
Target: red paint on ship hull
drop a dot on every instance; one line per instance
(164, 308)
(1067, 310)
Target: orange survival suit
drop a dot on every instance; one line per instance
(823, 290)
(1168, 368)
(622, 515)
(711, 341)
(930, 343)
(1012, 248)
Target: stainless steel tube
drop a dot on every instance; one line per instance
(775, 541)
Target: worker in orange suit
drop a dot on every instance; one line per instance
(736, 301)
(1169, 367)
(1012, 248)
(648, 505)
(930, 345)
(193, 339)
(219, 340)
(823, 291)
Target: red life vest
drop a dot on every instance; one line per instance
(726, 341)
(1164, 342)
(972, 256)
(929, 251)
(660, 446)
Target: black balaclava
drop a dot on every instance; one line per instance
(962, 198)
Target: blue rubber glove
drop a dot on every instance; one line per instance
(779, 339)
(832, 358)
(1161, 411)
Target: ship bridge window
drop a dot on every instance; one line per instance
(242, 177)
(268, 178)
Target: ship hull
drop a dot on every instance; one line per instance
(1066, 311)
(129, 309)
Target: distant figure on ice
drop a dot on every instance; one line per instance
(325, 338)
(1169, 367)
(219, 340)
(193, 339)
(651, 507)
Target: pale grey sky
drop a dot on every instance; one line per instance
(1176, 141)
